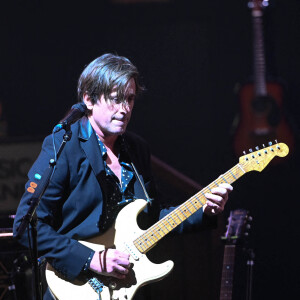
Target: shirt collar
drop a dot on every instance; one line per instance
(122, 157)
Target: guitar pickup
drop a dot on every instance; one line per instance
(133, 251)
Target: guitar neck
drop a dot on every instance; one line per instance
(227, 272)
(259, 53)
(155, 233)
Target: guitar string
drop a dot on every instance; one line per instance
(145, 239)
(188, 205)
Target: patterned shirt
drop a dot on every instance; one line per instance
(117, 193)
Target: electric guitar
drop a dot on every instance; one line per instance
(126, 236)
(236, 230)
(261, 108)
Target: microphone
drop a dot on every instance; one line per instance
(75, 113)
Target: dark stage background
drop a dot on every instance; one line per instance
(192, 56)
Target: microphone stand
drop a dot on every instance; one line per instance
(30, 216)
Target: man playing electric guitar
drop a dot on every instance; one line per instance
(101, 169)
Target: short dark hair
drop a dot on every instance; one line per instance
(105, 73)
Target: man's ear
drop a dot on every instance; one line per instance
(88, 102)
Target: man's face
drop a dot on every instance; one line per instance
(111, 117)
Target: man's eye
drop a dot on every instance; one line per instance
(131, 98)
(115, 100)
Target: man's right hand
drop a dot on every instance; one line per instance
(110, 262)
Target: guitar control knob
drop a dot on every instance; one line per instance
(112, 285)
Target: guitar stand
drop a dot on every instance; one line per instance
(249, 282)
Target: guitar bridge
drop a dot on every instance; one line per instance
(96, 285)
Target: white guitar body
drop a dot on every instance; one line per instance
(120, 236)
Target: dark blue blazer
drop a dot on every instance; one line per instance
(71, 206)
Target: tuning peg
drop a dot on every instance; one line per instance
(257, 148)
(244, 152)
(250, 4)
(246, 233)
(265, 3)
(250, 219)
(264, 146)
(250, 150)
(248, 226)
(270, 143)
(276, 142)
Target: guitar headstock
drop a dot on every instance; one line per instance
(257, 6)
(259, 159)
(238, 223)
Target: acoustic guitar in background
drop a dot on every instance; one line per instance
(261, 113)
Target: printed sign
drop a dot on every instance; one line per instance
(15, 161)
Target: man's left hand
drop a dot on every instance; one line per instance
(217, 199)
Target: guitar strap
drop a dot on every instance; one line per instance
(126, 149)
(141, 183)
